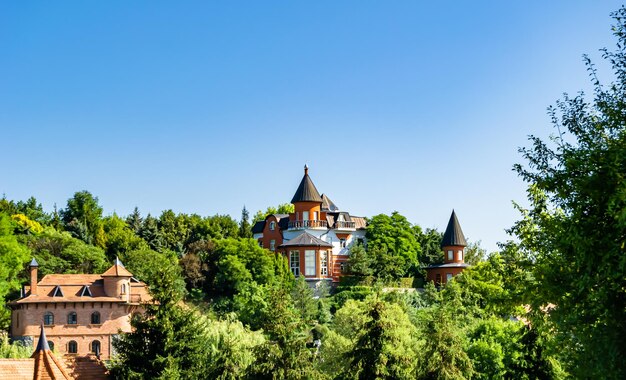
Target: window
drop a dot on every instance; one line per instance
(17, 320)
(72, 319)
(48, 319)
(51, 345)
(309, 263)
(95, 318)
(272, 226)
(123, 289)
(450, 255)
(72, 347)
(448, 277)
(315, 215)
(305, 215)
(57, 292)
(342, 267)
(294, 262)
(459, 255)
(342, 242)
(95, 347)
(438, 279)
(260, 244)
(323, 263)
(86, 292)
(272, 245)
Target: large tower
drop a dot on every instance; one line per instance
(453, 245)
(307, 203)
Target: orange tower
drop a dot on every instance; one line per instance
(453, 245)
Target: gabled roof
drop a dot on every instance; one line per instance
(117, 270)
(453, 235)
(328, 205)
(306, 191)
(305, 239)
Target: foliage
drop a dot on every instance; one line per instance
(393, 238)
(59, 252)
(284, 208)
(26, 225)
(13, 258)
(82, 216)
(430, 242)
(15, 350)
(245, 230)
(119, 238)
(474, 253)
(573, 231)
(303, 301)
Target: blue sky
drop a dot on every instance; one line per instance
(206, 106)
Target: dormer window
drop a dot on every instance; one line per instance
(85, 292)
(57, 292)
(272, 226)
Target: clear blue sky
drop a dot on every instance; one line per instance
(205, 106)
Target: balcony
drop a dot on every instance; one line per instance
(302, 224)
(345, 226)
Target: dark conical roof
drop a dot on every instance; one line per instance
(43, 341)
(306, 191)
(33, 263)
(453, 235)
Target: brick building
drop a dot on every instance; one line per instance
(453, 245)
(81, 313)
(315, 238)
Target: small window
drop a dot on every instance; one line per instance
(450, 255)
(95, 347)
(72, 347)
(448, 277)
(123, 289)
(86, 292)
(272, 226)
(57, 292)
(294, 262)
(323, 263)
(95, 318)
(272, 245)
(342, 267)
(72, 319)
(51, 345)
(459, 255)
(315, 215)
(438, 279)
(48, 319)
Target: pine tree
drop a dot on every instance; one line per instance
(245, 231)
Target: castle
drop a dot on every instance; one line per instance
(316, 238)
(81, 313)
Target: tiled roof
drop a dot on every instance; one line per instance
(453, 235)
(85, 368)
(17, 369)
(306, 190)
(359, 222)
(47, 366)
(117, 270)
(449, 265)
(305, 239)
(328, 205)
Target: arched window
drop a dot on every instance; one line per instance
(72, 319)
(95, 347)
(48, 318)
(72, 347)
(51, 345)
(95, 318)
(123, 289)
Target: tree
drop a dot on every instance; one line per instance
(82, 216)
(359, 261)
(168, 341)
(573, 231)
(119, 238)
(303, 301)
(245, 230)
(393, 235)
(134, 221)
(474, 253)
(430, 242)
(384, 343)
(13, 258)
(284, 208)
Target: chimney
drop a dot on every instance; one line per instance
(33, 276)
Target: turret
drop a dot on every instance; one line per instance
(453, 243)
(117, 281)
(33, 276)
(307, 203)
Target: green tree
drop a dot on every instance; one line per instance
(82, 216)
(119, 238)
(573, 231)
(245, 230)
(284, 208)
(135, 221)
(474, 253)
(384, 344)
(168, 340)
(303, 301)
(13, 258)
(360, 263)
(393, 235)
(33, 210)
(430, 242)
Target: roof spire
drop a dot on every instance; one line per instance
(43, 341)
(453, 235)
(306, 169)
(306, 191)
(33, 263)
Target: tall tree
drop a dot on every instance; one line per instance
(574, 230)
(393, 235)
(245, 230)
(82, 216)
(283, 208)
(135, 221)
(13, 257)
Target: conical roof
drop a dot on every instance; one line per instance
(453, 235)
(117, 270)
(306, 191)
(47, 366)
